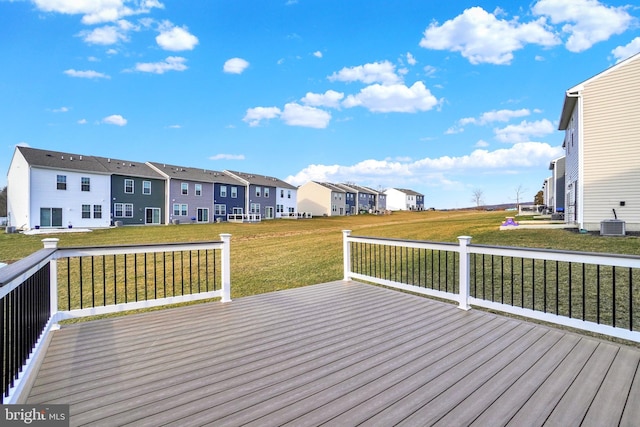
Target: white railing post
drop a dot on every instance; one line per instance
(52, 243)
(464, 272)
(346, 252)
(225, 256)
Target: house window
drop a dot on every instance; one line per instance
(281, 193)
(128, 186)
(198, 189)
(288, 194)
(85, 183)
(184, 188)
(234, 192)
(220, 209)
(86, 211)
(97, 211)
(180, 209)
(61, 182)
(279, 208)
(223, 191)
(123, 210)
(254, 208)
(258, 190)
(292, 210)
(266, 191)
(146, 187)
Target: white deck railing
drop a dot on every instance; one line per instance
(30, 291)
(589, 291)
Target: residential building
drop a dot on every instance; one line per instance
(52, 189)
(366, 198)
(556, 188)
(322, 199)
(548, 193)
(137, 192)
(401, 199)
(600, 120)
(286, 200)
(199, 195)
(261, 193)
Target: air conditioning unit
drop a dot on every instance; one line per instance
(612, 227)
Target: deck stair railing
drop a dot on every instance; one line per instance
(55, 283)
(590, 291)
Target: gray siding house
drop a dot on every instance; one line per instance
(137, 192)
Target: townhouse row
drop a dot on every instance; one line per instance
(51, 189)
(54, 189)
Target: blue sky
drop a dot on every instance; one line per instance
(441, 97)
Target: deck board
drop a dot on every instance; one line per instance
(340, 353)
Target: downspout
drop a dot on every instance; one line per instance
(578, 203)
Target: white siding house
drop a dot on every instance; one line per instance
(402, 199)
(602, 129)
(51, 189)
(286, 199)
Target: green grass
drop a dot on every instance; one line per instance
(281, 254)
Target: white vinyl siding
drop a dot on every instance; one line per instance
(611, 130)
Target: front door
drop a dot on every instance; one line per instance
(152, 216)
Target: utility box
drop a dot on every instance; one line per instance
(612, 227)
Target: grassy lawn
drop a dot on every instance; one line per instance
(281, 254)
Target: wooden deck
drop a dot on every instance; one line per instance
(339, 354)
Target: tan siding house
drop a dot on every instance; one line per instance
(601, 120)
(321, 199)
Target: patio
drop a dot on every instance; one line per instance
(340, 353)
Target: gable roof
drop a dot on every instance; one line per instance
(359, 189)
(331, 186)
(60, 160)
(128, 168)
(193, 174)
(571, 95)
(408, 192)
(262, 180)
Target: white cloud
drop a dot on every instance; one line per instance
(111, 51)
(411, 60)
(98, 11)
(235, 66)
(175, 38)
(86, 74)
(504, 160)
(482, 144)
(107, 35)
(524, 131)
(115, 119)
(175, 126)
(60, 110)
(171, 63)
(82, 121)
(227, 157)
(376, 72)
(393, 98)
(483, 38)
(623, 52)
(330, 99)
(586, 21)
(317, 54)
(302, 115)
(495, 116)
(254, 116)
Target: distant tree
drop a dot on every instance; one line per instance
(539, 198)
(477, 197)
(3, 202)
(519, 190)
